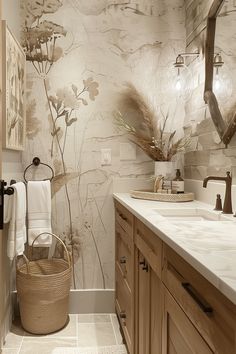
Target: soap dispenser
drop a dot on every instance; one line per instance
(178, 183)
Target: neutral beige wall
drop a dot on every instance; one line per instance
(10, 168)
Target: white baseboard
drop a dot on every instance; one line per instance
(88, 301)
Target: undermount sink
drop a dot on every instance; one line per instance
(196, 214)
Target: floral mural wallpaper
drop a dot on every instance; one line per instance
(80, 54)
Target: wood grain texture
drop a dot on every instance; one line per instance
(179, 334)
(124, 273)
(219, 328)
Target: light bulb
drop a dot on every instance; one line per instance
(222, 84)
(178, 84)
(182, 83)
(217, 84)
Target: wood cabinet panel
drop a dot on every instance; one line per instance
(124, 308)
(150, 245)
(148, 315)
(124, 255)
(164, 305)
(124, 218)
(179, 334)
(155, 314)
(143, 313)
(210, 312)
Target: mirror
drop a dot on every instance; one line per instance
(219, 54)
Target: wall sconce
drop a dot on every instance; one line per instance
(222, 83)
(183, 80)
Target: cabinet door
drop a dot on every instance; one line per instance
(155, 313)
(148, 309)
(143, 308)
(179, 334)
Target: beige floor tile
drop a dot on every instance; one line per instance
(68, 331)
(95, 334)
(116, 327)
(94, 318)
(9, 351)
(14, 338)
(45, 345)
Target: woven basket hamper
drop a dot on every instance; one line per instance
(43, 288)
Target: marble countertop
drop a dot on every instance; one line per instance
(209, 246)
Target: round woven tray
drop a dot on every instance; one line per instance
(161, 197)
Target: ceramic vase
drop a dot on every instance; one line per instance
(164, 168)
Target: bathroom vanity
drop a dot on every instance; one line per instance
(175, 277)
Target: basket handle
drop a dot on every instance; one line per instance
(26, 262)
(58, 239)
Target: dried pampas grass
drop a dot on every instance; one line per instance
(158, 145)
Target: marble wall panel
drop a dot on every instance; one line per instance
(73, 89)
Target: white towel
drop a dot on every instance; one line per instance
(39, 212)
(17, 228)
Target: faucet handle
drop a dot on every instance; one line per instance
(218, 205)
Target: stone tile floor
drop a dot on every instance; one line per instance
(91, 330)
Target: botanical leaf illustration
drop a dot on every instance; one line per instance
(75, 89)
(55, 132)
(60, 180)
(70, 121)
(33, 124)
(37, 8)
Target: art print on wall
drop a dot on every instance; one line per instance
(14, 78)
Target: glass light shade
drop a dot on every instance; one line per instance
(176, 80)
(222, 83)
(182, 82)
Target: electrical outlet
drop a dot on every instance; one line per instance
(105, 157)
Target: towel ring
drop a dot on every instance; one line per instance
(36, 162)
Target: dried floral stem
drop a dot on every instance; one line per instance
(66, 187)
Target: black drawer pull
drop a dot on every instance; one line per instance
(205, 307)
(122, 260)
(123, 315)
(122, 217)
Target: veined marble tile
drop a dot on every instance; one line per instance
(45, 345)
(95, 334)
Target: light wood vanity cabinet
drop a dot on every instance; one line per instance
(164, 305)
(148, 250)
(179, 334)
(210, 312)
(124, 268)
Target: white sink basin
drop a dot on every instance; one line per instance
(191, 215)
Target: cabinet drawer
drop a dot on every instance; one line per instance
(124, 307)
(212, 314)
(124, 252)
(150, 246)
(124, 218)
(179, 334)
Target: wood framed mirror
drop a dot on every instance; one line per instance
(225, 129)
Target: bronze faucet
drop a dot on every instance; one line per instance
(227, 207)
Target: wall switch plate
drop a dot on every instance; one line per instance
(127, 152)
(105, 157)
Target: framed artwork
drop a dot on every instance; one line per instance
(14, 81)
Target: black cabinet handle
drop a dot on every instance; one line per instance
(123, 315)
(122, 216)
(204, 306)
(122, 260)
(144, 265)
